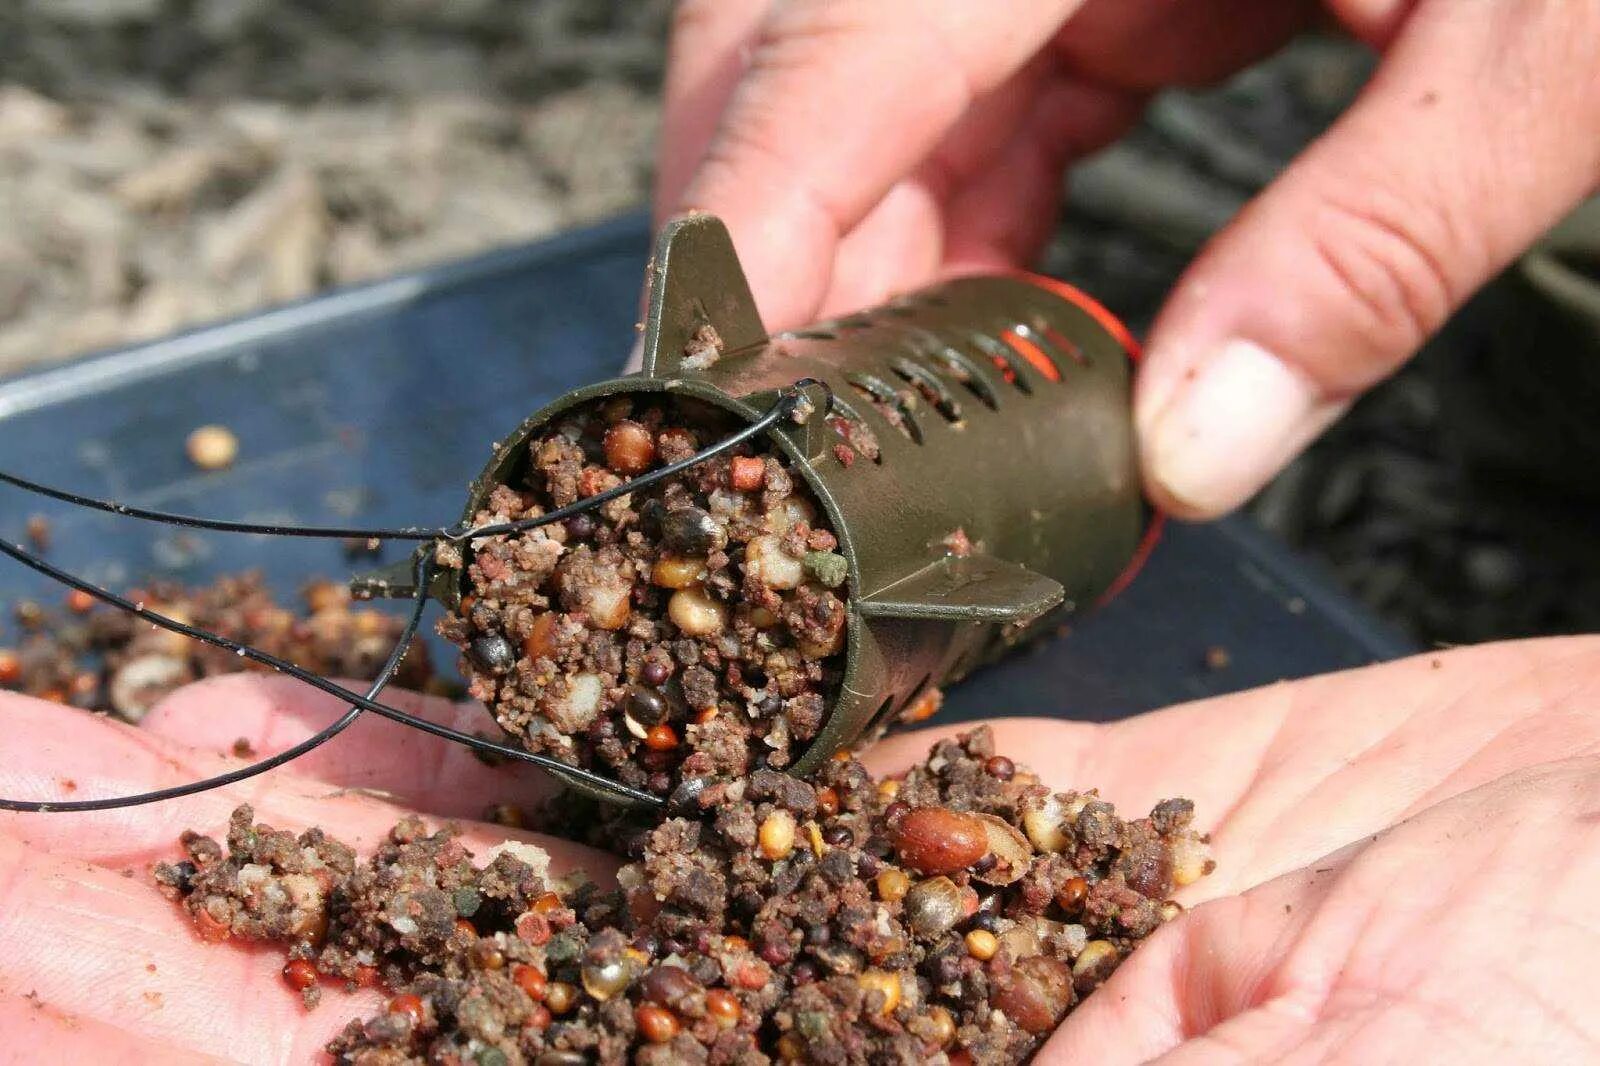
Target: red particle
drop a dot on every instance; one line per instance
(724, 1007)
(656, 1024)
(662, 737)
(466, 928)
(1072, 893)
(534, 928)
(411, 1006)
(531, 980)
(10, 667)
(845, 454)
(210, 928)
(752, 975)
(629, 448)
(540, 643)
(366, 977)
(828, 800)
(938, 840)
(299, 974)
(80, 602)
(538, 1017)
(547, 903)
(747, 473)
(1001, 767)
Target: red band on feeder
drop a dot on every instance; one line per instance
(1034, 354)
(1130, 344)
(1091, 307)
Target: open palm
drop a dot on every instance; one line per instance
(1407, 856)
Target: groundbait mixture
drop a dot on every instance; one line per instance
(692, 629)
(952, 915)
(102, 659)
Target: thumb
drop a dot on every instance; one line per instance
(1477, 133)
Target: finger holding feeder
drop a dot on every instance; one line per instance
(963, 457)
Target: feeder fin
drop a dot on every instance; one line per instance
(976, 588)
(696, 280)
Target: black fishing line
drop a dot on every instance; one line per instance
(789, 403)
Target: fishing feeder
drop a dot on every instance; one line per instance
(1002, 497)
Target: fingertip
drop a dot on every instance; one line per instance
(1232, 420)
(786, 241)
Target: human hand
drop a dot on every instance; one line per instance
(859, 150)
(1407, 857)
(95, 965)
(1285, 777)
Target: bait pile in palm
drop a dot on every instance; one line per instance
(956, 914)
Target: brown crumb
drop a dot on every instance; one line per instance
(38, 530)
(704, 348)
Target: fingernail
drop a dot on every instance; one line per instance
(1239, 417)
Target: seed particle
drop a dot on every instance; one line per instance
(212, 447)
(982, 944)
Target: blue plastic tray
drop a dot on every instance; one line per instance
(379, 404)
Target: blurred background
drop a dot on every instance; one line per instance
(168, 162)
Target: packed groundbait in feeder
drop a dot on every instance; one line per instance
(953, 915)
(691, 629)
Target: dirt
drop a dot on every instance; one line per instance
(166, 162)
(955, 914)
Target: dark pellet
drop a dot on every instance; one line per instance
(1001, 767)
(691, 531)
(838, 836)
(492, 653)
(685, 799)
(644, 706)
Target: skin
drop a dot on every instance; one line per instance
(1406, 859)
(1407, 854)
(858, 150)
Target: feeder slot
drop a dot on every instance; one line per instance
(842, 418)
(1059, 341)
(961, 370)
(889, 404)
(930, 386)
(1004, 360)
(1035, 349)
(880, 718)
